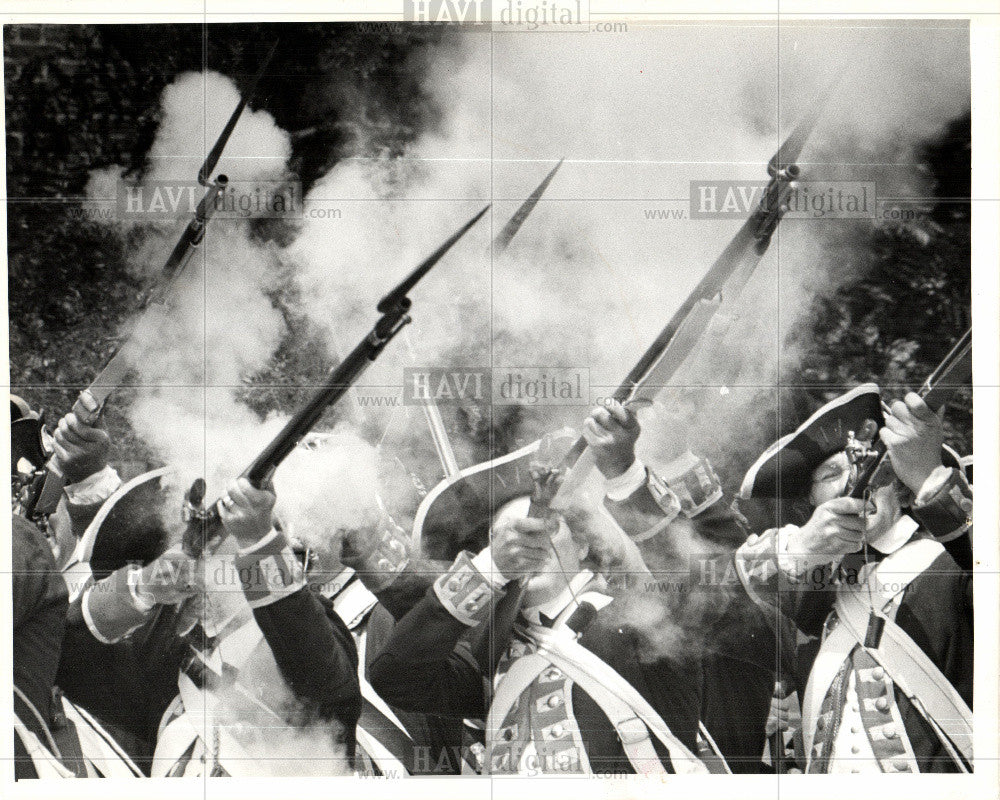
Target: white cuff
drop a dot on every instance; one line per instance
(935, 481)
(622, 487)
(487, 567)
(94, 488)
(260, 544)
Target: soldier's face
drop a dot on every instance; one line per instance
(829, 481)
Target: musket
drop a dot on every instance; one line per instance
(869, 464)
(204, 524)
(90, 403)
(727, 276)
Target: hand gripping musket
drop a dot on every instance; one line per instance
(204, 524)
(866, 453)
(91, 401)
(725, 279)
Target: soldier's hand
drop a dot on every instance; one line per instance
(835, 529)
(171, 578)
(611, 431)
(521, 547)
(81, 449)
(246, 512)
(913, 436)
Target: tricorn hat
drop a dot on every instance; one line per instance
(129, 527)
(457, 514)
(784, 471)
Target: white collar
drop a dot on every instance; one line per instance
(894, 538)
(567, 600)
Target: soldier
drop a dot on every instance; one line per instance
(65, 741)
(890, 689)
(267, 661)
(565, 682)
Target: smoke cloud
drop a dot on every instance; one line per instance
(592, 276)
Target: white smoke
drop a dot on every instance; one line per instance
(591, 277)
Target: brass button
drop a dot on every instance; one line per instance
(855, 729)
(553, 674)
(900, 765)
(855, 749)
(557, 730)
(882, 704)
(878, 673)
(554, 701)
(890, 732)
(453, 586)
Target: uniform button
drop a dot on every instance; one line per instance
(878, 673)
(855, 771)
(508, 734)
(554, 701)
(557, 730)
(855, 729)
(900, 765)
(855, 749)
(889, 731)
(882, 704)
(821, 723)
(553, 674)
(854, 707)
(452, 586)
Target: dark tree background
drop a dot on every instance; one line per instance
(83, 97)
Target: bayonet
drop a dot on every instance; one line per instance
(503, 239)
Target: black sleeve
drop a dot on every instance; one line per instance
(428, 666)
(316, 655)
(403, 594)
(39, 607)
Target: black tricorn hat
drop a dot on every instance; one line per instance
(129, 527)
(785, 469)
(457, 514)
